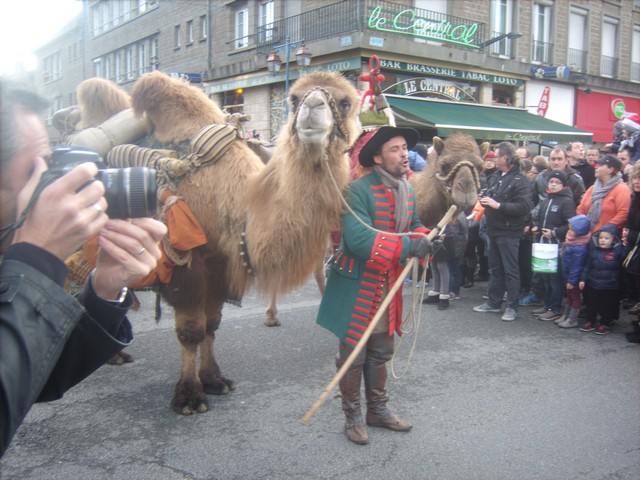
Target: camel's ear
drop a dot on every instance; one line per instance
(438, 144)
(484, 148)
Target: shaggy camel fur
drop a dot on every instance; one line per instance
(99, 99)
(452, 179)
(286, 208)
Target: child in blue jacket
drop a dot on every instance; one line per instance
(574, 256)
(600, 279)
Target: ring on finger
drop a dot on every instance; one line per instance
(98, 207)
(141, 251)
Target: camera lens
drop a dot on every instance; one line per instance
(130, 192)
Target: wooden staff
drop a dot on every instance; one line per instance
(365, 337)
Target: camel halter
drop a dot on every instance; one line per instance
(446, 180)
(338, 128)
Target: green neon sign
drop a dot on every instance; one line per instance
(407, 22)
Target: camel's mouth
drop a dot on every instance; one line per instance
(311, 135)
(464, 199)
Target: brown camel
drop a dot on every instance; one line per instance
(282, 212)
(452, 179)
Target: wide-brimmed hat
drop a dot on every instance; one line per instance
(373, 141)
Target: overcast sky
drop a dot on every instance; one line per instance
(26, 25)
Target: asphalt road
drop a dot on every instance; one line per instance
(488, 399)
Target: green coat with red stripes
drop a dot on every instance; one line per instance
(366, 260)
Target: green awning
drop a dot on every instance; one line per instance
(483, 122)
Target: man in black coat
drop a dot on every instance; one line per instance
(49, 340)
(508, 205)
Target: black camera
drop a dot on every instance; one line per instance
(130, 192)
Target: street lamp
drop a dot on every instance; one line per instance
(274, 62)
(510, 36)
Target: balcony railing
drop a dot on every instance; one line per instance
(542, 52)
(608, 66)
(577, 60)
(357, 15)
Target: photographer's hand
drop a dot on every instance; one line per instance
(129, 251)
(64, 215)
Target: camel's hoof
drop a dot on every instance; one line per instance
(221, 386)
(188, 398)
(272, 321)
(120, 358)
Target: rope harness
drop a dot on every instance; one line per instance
(338, 124)
(448, 179)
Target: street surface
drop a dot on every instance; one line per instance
(488, 399)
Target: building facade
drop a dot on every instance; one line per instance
(570, 63)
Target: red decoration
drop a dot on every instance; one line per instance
(375, 78)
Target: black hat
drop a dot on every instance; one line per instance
(610, 161)
(560, 175)
(382, 135)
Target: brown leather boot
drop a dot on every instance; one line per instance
(378, 415)
(354, 425)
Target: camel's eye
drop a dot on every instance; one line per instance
(295, 101)
(345, 105)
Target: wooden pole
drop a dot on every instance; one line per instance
(368, 332)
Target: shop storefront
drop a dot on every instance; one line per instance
(598, 112)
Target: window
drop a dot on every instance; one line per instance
(189, 32)
(501, 23)
(577, 54)
(97, 67)
(265, 21)
(609, 47)
(204, 28)
(177, 42)
(129, 63)
(154, 54)
(107, 67)
(233, 101)
(118, 66)
(52, 67)
(435, 12)
(635, 54)
(242, 28)
(116, 14)
(542, 32)
(142, 58)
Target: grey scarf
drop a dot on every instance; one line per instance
(599, 192)
(399, 188)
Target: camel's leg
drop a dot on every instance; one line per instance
(188, 395)
(320, 277)
(210, 375)
(186, 293)
(271, 315)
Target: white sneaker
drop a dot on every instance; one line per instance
(559, 320)
(568, 323)
(509, 315)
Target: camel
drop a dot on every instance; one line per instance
(452, 179)
(265, 225)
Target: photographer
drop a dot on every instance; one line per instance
(49, 340)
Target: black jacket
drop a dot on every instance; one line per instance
(554, 213)
(48, 340)
(512, 191)
(586, 172)
(574, 182)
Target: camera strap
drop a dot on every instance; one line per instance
(45, 180)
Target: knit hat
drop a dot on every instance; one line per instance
(631, 123)
(558, 175)
(491, 155)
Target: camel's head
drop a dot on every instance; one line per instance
(458, 166)
(174, 108)
(324, 108)
(99, 99)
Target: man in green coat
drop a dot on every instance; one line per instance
(365, 268)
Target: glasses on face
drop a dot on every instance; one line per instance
(554, 182)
